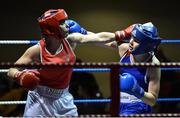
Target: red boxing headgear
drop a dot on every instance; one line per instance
(49, 21)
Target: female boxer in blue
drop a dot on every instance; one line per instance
(139, 86)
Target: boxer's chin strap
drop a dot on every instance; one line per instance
(147, 59)
(151, 54)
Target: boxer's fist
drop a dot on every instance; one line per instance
(27, 79)
(128, 31)
(120, 36)
(129, 84)
(75, 27)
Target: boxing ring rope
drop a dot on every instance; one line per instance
(91, 101)
(34, 41)
(95, 100)
(97, 69)
(114, 81)
(114, 74)
(113, 68)
(92, 65)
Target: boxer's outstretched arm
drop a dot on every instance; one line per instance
(102, 37)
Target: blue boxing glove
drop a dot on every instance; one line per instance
(75, 27)
(129, 84)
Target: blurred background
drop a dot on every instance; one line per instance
(18, 21)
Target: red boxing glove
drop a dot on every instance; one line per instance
(126, 33)
(28, 79)
(119, 36)
(128, 30)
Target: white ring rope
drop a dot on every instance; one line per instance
(16, 42)
(12, 102)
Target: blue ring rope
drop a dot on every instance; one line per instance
(162, 41)
(92, 101)
(97, 69)
(91, 70)
(109, 100)
(170, 41)
(167, 69)
(34, 42)
(108, 69)
(168, 99)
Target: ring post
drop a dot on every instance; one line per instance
(115, 91)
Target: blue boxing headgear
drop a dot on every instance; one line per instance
(147, 36)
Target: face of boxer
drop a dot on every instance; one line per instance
(52, 24)
(133, 44)
(64, 28)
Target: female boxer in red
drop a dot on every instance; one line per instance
(48, 95)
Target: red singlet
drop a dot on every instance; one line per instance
(58, 77)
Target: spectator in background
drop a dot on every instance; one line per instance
(11, 91)
(4, 85)
(83, 85)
